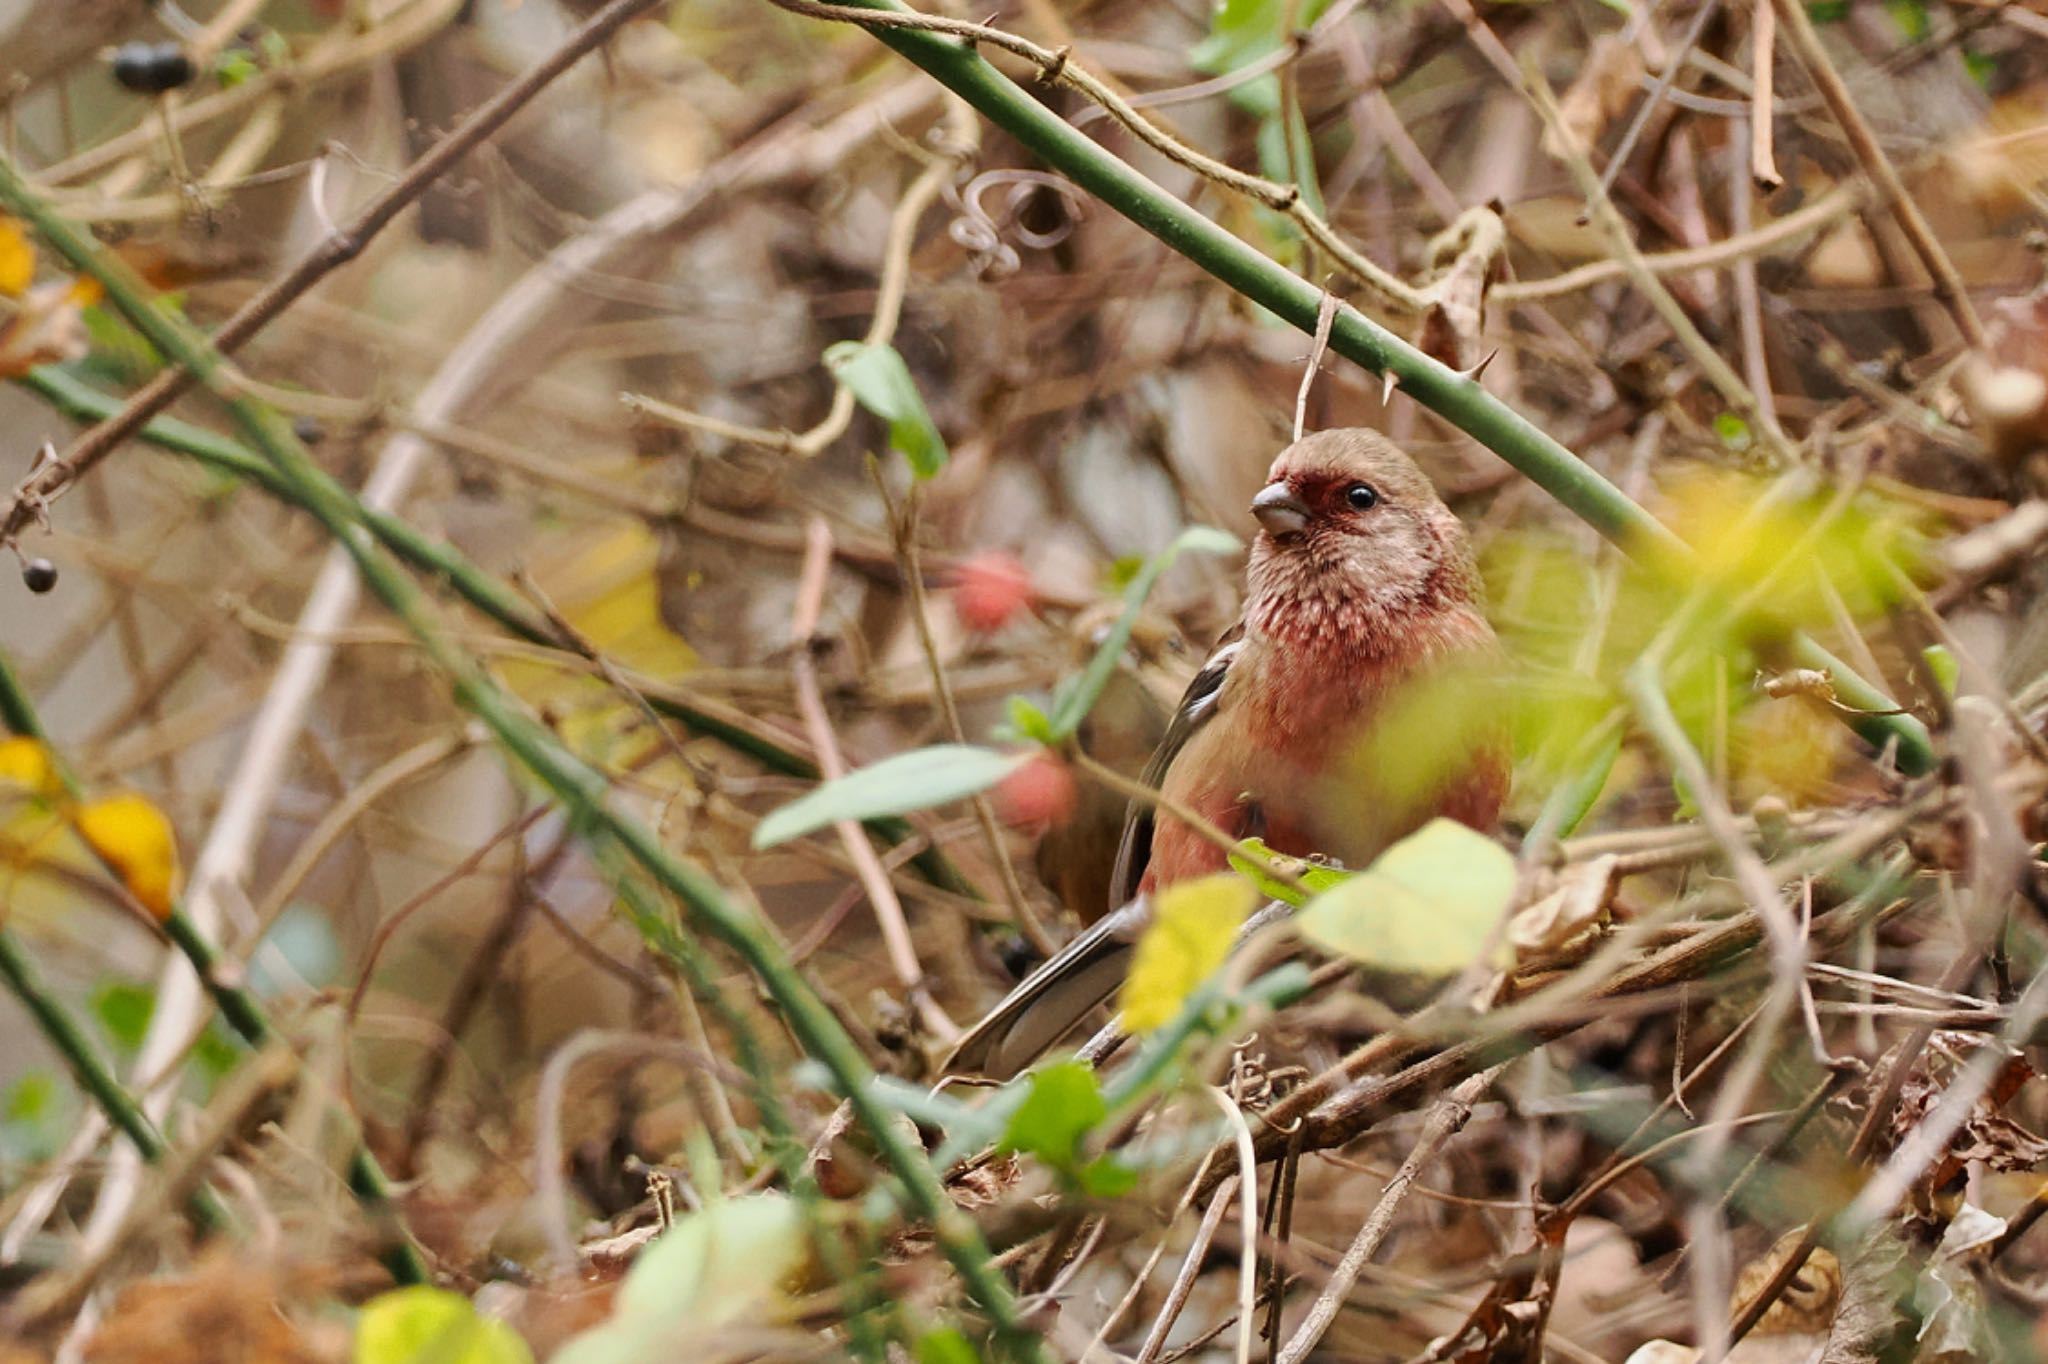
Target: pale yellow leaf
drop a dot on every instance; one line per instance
(1193, 925)
(1427, 906)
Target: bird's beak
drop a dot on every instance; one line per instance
(1279, 510)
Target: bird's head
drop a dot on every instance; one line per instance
(1347, 521)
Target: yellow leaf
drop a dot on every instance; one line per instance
(134, 838)
(17, 259)
(1193, 926)
(26, 763)
(425, 1325)
(1749, 540)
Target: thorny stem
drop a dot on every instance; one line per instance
(481, 590)
(365, 1177)
(1456, 397)
(581, 789)
(344, 244)
(69, 1041)
(56, 1023)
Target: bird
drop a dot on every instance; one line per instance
(1360, 588)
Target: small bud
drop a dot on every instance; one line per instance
(1041, 794)
(39, 575)
(990, 590)
(152, 68)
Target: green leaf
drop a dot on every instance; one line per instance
(734, 1260)
(1106, 1177)
(1733, 431)
(710, 1265)
(1910, 16)
(881, 382)
(1073, 701)
(946, 1345)
(1026, 723)
(1942, 665)
(123, 1010)
(30, 1099)
(1241, 32)
(424, 1325)
(234, 66)
(1426, 906)
(916, 780)
(1253, 857)
(1193, 925)
(35, 1115)
(1060, 1108)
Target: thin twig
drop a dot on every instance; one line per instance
(1948, 284)
(1190, 1267)
(1763, 38)
(1325, 315)
(333, 251)
(963, 137)
(804, 639)
(904, 521)
(1445, 1119)
(1248, 1223)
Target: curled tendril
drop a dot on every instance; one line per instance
(976, 229)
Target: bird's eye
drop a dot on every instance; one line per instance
(1361, 496)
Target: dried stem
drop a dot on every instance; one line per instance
(804, 640)
(1445, 1119)
(335, 250)
(1948, 284)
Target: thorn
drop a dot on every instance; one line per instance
(1478, 369)
(1388, 381)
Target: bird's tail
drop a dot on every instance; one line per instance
(1050, 1002)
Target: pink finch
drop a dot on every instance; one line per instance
(1303, 728)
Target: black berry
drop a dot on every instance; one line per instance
(39, 575)
(152, 68)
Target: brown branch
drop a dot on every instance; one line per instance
(1446, 1118)
(337, 249)
(803, 630)
(1948, 284)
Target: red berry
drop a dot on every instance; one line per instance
(1039, 794)
(990, 589)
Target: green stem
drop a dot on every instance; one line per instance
(57, 1025)
(366, 1178)
(580, 788)
(1455, 397)
(82, 402)
(237, 1005)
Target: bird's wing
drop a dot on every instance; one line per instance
(1047, 1004)
(1197, 706)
